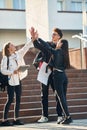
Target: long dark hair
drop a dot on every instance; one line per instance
(65, 49)
(5, 51)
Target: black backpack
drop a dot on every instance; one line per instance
(4, 79)
(37, 59)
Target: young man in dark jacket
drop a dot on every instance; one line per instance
(45, 56)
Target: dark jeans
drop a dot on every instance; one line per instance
(60, 82)
(44, 98)
(10, 97)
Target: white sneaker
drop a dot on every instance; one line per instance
(43, 119)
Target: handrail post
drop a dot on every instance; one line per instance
(81, 54)
(81, 49)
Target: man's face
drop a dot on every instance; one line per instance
(55, 37)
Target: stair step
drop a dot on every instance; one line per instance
(37, 91)
(51, 97)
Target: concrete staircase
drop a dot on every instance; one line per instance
(31, 99)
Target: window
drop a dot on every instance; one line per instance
(18, 4)
(2, 4)
(59, 5)
(76, 6)
(86, 6)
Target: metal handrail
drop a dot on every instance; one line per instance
(82, 39)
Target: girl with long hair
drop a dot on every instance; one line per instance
(16, 59)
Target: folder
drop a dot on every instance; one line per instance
(23, 68)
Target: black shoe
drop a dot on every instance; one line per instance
(18, 122)
(66, 121)
(6, 123)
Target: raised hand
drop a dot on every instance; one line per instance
(33, 33)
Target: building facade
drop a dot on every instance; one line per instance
(17, 16)
(12, 22)
(67, 15)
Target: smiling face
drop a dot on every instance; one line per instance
(55, 37)
(11, 48)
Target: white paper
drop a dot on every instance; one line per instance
(42, 74)
(23, 68)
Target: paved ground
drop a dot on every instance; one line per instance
(76, 125)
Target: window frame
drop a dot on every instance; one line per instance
(20, 6)
(3, 4)
(80, 9)
(61, 5)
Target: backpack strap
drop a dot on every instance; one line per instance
(7, 62)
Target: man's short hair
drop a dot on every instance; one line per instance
(59, 31)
